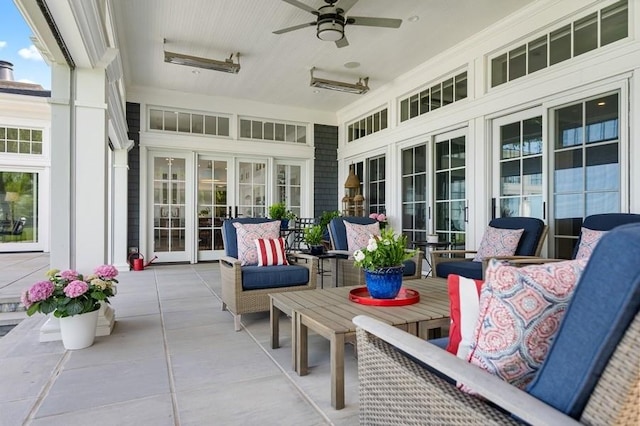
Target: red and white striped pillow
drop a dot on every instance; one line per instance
(464, 299)
(271, 252)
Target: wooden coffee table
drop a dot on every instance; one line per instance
(291, 301)
(332, 320)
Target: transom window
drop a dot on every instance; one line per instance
(365, 126)
(273, 131)
(20, 140)
(431, 98)
(571, 40)
(186, 122)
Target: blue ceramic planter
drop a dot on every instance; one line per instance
(384, 283)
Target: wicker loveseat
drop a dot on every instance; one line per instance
(591, 374)
(245, 289)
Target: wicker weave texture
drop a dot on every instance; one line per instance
(396, 391)
(616, 398)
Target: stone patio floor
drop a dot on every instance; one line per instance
(173, 358)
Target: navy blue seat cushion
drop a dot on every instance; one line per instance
(464, 268)
(230, 237)
(605, 222)
(339, 232)
(605, 301)
(260, 277)
(532, 226)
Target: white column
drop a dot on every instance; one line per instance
(90, 162)
(120, 208)
(79, 173)
(60, 151)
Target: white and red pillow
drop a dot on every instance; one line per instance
(248, 233)
(520, 312)
(464, 305)
(358, 235)
(588, 240)
(498, 242)
(271, 252)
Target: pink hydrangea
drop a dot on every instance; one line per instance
(380, 217)
(106, 271)
(76, 288)
(41, 290)
(69, 274)
(24, 298)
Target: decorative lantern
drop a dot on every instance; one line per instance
(353, 201)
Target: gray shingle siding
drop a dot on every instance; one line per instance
(325, 169)
(133, 196)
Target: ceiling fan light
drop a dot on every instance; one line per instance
(330, 30)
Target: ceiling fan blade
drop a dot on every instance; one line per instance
(345, 5)
(342, 42)
(295, 27)
(374, 22)
(302, 6)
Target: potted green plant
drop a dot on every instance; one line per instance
(313, 238)
(279, 211)
(325, 218)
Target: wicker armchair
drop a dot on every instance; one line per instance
(445, 262)
(591, 374)
(349, 274)
(240, 300)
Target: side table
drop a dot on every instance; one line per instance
(426, 247)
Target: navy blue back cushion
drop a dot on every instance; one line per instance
(605, 222)
(229, 236)
(532, 226)
(605, 301)
(339, 232)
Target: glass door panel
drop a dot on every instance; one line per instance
(414, 193)
(586, 170)
(213, 206)
(252, 189)
(450, 189)
(169, 208)
(289, 187)
(19, 219)
(520, 152)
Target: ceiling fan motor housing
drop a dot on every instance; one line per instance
(330, 23)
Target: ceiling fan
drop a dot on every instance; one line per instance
(331, 20)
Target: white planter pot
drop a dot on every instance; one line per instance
(79, 331)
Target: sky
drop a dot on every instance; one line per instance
(17, 48)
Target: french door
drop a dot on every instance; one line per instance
(586, 150)
(437, 186)
(226, 188)
(214, 197)
(450, 189)
(518, 188)
(171, 207)
(193, 194)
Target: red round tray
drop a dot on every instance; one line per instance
(406, 296)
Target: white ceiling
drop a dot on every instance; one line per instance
(275, 68)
